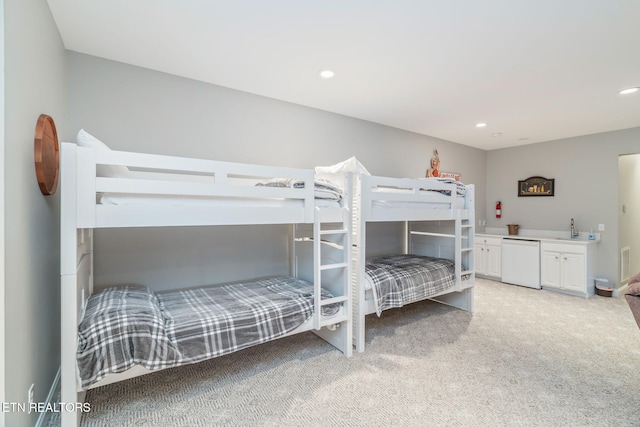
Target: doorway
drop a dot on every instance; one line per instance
(628, 215)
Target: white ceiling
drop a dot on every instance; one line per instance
(533, 70)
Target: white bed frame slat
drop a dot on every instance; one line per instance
(109, 216)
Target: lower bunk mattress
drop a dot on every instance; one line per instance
(131, 325)
(396, 280)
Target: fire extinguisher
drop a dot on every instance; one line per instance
(498, 209)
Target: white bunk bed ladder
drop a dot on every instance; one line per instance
(469, 230)
(464, 250)
(343, 236)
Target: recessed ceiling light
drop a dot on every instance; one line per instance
(496, 134)
(480, 125)
(628, 91)
(326, 74)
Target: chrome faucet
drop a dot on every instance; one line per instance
(574, 232)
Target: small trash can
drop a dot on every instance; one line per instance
(603, 287)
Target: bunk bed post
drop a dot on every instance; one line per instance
(408, 244)
(68, 282)
(359, 255)
(458, 249)
(348, 218)
(317, 264)
(293, 260)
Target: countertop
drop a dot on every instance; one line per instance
(544, 236)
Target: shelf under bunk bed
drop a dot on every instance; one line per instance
(101, 188)
(437, 258)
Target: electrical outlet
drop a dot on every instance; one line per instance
(600, 227)
(31, 394)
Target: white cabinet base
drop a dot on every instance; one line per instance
(488, 253)
(568, 268)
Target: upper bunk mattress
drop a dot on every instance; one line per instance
(131, 325)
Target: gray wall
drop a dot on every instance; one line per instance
(629, 195)
(135, 109)
(586, 179)
(34, 84)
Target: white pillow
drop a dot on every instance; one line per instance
(85, 139)
(350, 165)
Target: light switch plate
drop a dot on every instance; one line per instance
(600, 227)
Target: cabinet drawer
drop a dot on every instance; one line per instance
(488, 240)
(564, 247)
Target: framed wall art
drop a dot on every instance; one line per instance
(536, 186)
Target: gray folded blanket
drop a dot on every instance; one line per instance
(323, 189)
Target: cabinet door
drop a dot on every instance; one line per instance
(479, 253)
(550, 269)
(573, 272)
(493, 261)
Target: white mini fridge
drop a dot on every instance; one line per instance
(521, 262)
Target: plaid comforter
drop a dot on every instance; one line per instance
(402, 279)
(131, 325)
(323, 189)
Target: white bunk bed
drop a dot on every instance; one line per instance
(439, 224)
(101, 188)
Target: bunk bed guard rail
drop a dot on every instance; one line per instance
(192, 181)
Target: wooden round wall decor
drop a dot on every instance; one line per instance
(47, 155)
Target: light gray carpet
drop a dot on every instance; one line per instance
(524, 358)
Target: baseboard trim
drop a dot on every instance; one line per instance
(42, 418)
(620, 291)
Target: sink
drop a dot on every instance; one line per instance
(567, 239)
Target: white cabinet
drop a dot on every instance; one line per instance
(568, 267)
(488, 253)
